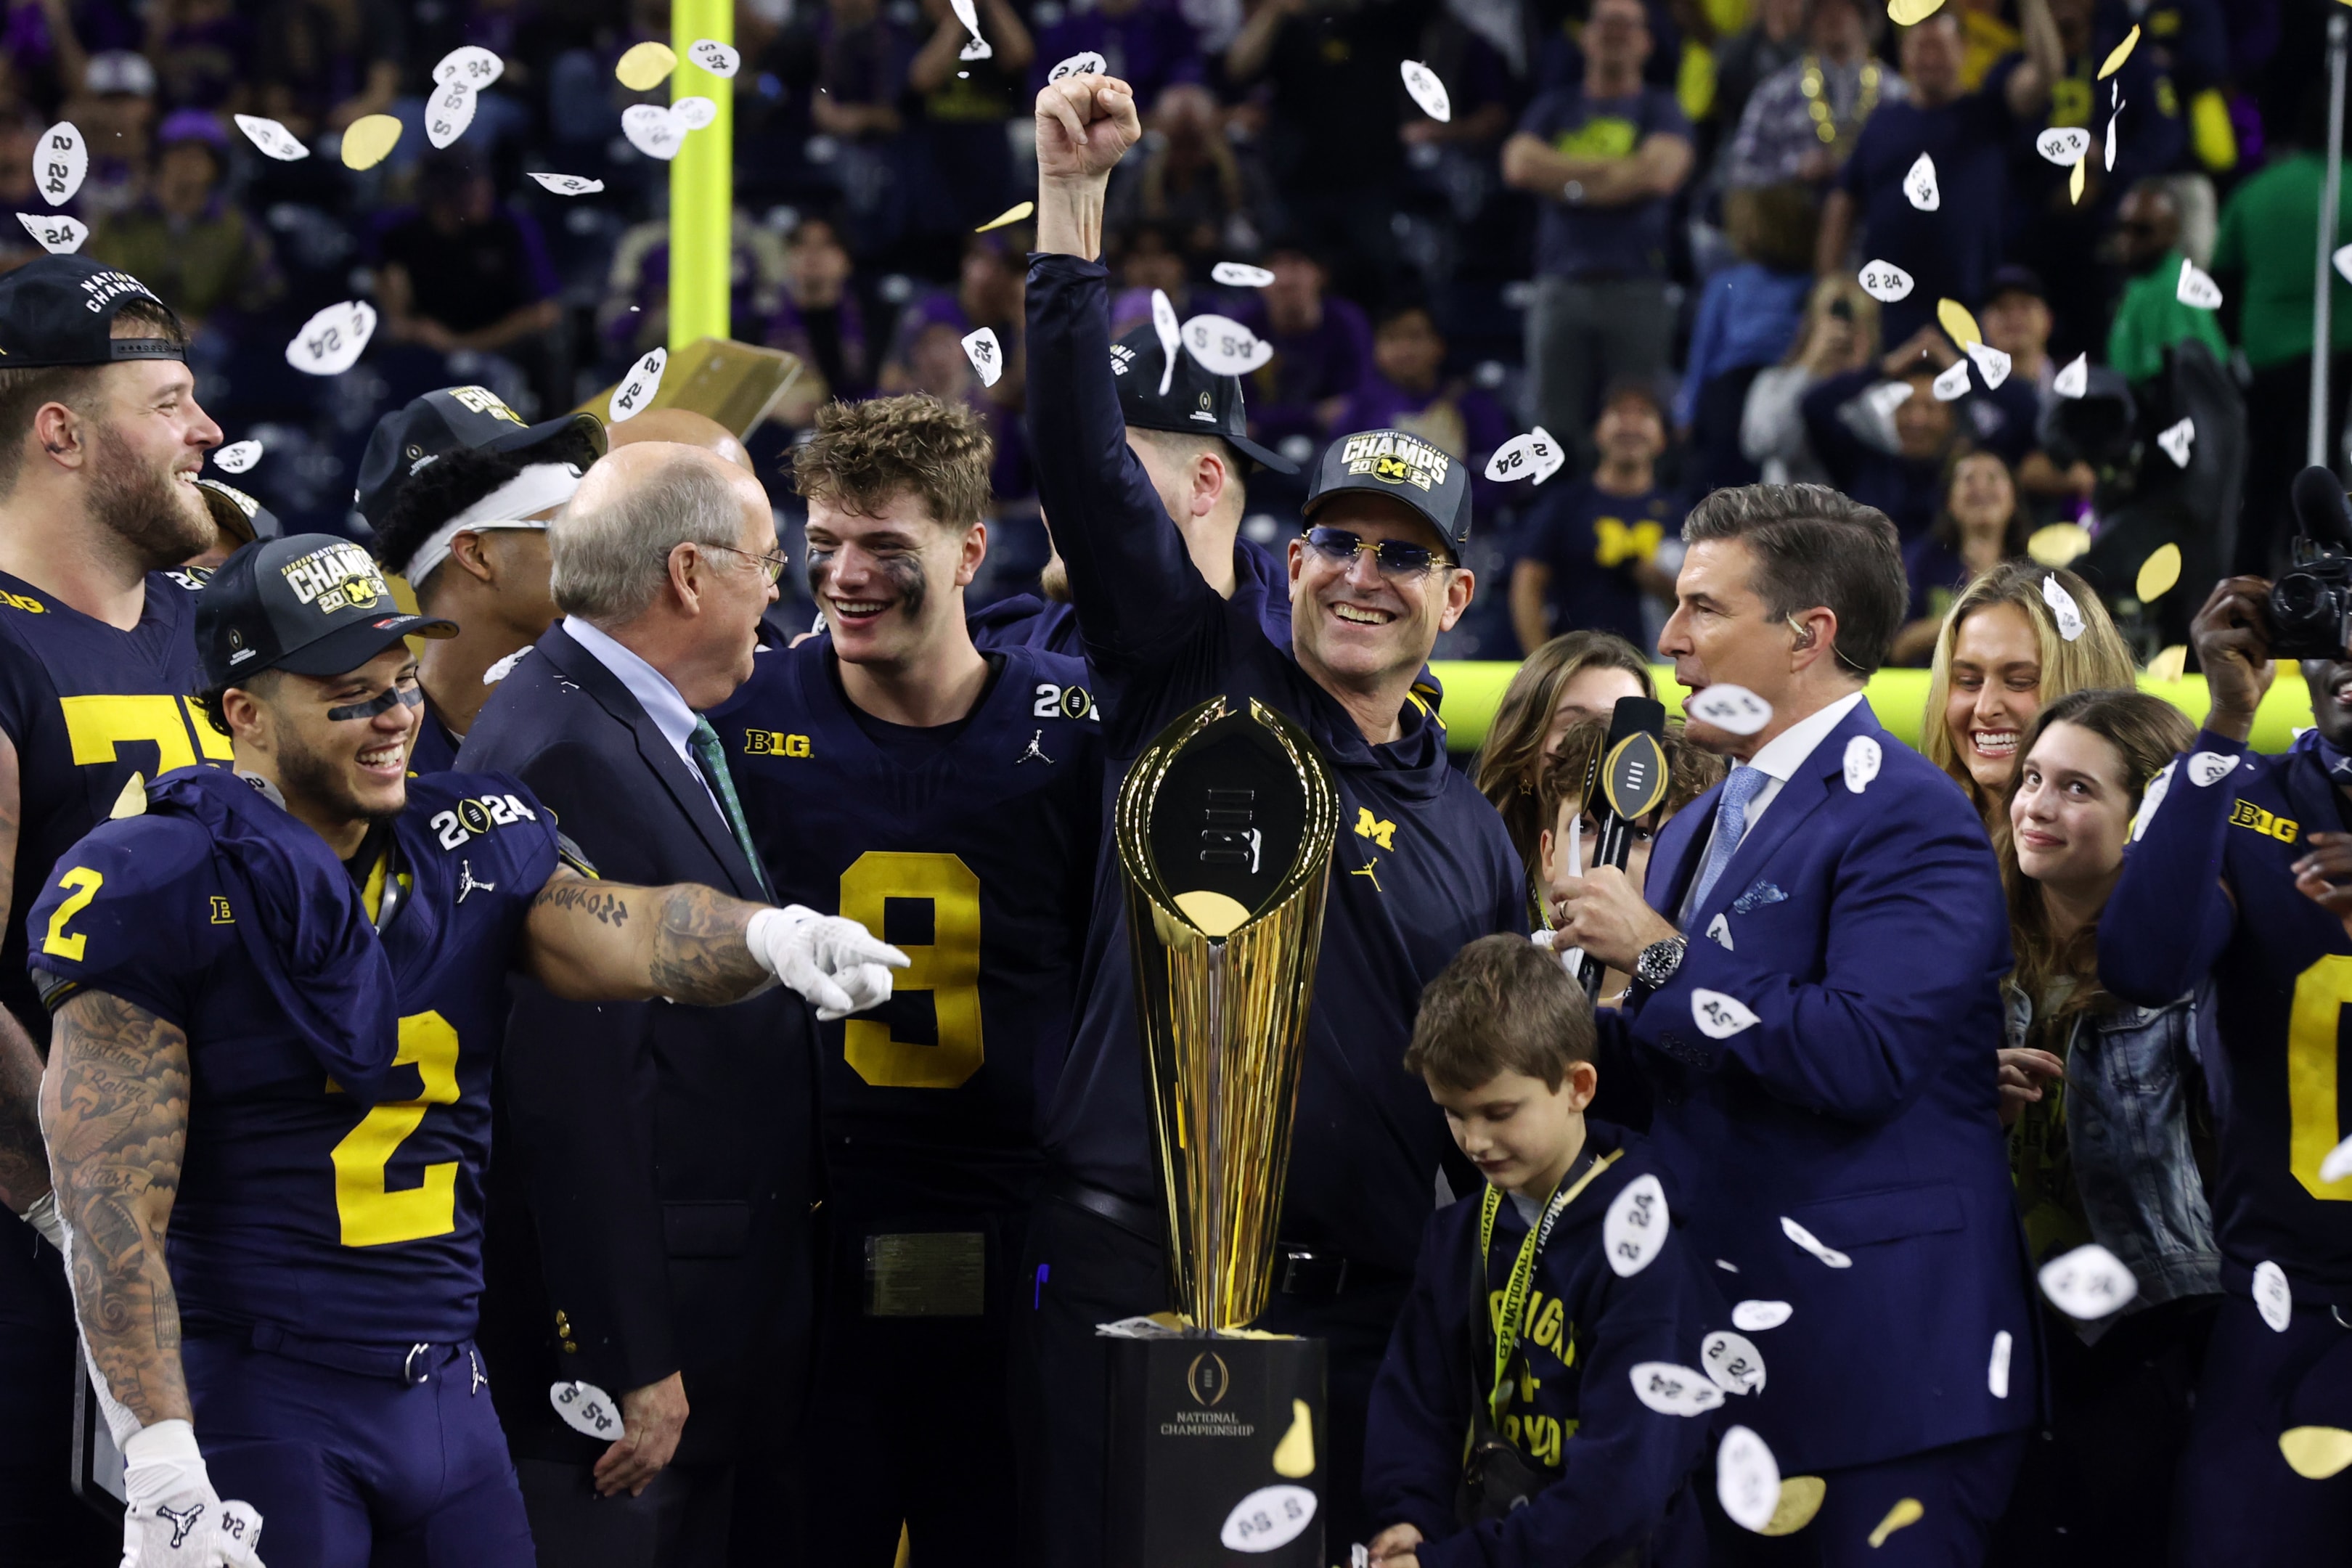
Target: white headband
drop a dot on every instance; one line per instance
(536, 489)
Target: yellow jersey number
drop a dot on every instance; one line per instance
(2314, 1022)
(83, 885)
(96, 726)
(372, 1214)
(947, 967)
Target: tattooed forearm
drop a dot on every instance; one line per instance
(115, 1105)
(24, 1163)
(700, 955)
(604, 900)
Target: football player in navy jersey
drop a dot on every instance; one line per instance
(101, 439)
(949, 799)
(2223, 876)
(460, 490)
(276, 996)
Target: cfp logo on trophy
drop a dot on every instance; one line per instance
(1208, 1378)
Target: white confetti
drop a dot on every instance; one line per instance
(2088, 1283)
(2152, 797)
(237, 457)
(2339, 1163)
(719, 59)
(1862, 759)
(1952, 384)
(1720, 1016)
(986, 356)
(1919, 185)
(570, 184)
(1884, 282)
(2196, 288)
(1990, 363)
(1812, 1244)
(1888, 396)
(636, 393)
(54, 232)
(1533, 455)
(1426, 89)
(473, 65)
(2064, 145)
(2062, 606)
(1727, 1267)
(60, 161)
(2207, 768)
(1756, 1317)
(505, 666)
(1268, 1518)
(1163, 323)
(587, 1410)
(1634, 1229)
(272, 138)
(2175, 439)
(1733, 1361)
(1734, 709)
(1240, 275)
(330, 342)
(1672, 1390)
(2075, 379)
(1225, 346)
(1747, 1480)
(653, 130)
(1997, 1370)
(1719, 931)
(2273, 1296)
(695, 112)
(2114, 115)
(1087, 64)
(2343, 259)
(449, 112)
(978, 49)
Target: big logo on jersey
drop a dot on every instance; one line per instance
(478, 814)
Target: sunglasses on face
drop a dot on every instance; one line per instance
(1397, 557)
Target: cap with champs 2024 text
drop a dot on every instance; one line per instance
(312, 603)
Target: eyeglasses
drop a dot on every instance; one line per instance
(772, 567)
(1397, 557)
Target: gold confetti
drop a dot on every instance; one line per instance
(2059, 543)
(2169, 665)
(1800, 1495)
(644, 67)
(369, 139)
(2119, 53)
(1908, 12)
(2159, 572)
(1013, 213)
(2074, 180)
(2316, 1453)
(1907, 1511)
(1293, 1456)
(1956, 320)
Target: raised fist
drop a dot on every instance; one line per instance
(1084, 125)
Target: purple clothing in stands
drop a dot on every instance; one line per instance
(1332, 359)
(1149, 47)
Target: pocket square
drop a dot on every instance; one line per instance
(1756, 897)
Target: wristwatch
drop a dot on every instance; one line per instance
(1658, 961)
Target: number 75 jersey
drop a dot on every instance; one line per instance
(971, 849)
(299, 1204)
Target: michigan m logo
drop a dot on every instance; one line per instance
(1379, 832)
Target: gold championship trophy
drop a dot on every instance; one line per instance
(1225, 826)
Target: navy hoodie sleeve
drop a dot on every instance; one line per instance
(2168, 919)
(1133, 586)
(1841, 451)
(1420, 1399)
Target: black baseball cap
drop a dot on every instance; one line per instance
(473, 418)
(314, 604)
(1198, 402)
(1404, 468)
(237, 515)
(2014, 279)
(60, 309)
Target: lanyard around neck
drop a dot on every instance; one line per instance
(1523, 1269)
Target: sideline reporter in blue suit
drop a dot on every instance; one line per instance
(1814, 1014)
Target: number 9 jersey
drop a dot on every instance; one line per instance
(2222, 816)
(970, 846)
(299, 1206)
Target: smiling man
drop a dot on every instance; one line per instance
(1423, 866)
(277, 994)
(1815, 997)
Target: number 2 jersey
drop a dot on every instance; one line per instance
(88, 705)
(2220, 817)
(969, 846)
(298, 1205)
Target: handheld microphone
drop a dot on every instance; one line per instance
(1624, 784)
(2320, 512)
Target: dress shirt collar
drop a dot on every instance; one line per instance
(649, 685)
(1782, 756)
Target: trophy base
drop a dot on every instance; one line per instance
(1217, 1451)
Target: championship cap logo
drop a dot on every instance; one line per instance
(340, 576)
(482, 400)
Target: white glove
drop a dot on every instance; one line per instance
(836, 964)
(175, 1519)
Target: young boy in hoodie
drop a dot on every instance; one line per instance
(1505, 1041)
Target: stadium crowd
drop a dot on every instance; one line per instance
(1992, 1089)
